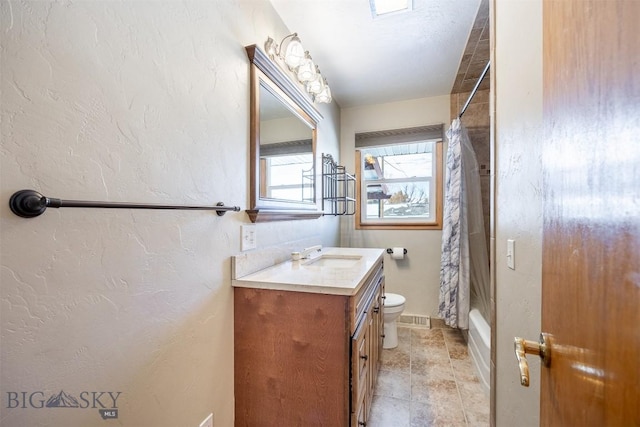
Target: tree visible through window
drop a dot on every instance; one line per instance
(400, 185)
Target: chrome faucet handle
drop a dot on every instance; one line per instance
(303, 254)
(307, 251)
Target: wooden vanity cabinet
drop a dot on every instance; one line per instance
(307, 359)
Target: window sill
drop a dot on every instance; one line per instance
(397, 226)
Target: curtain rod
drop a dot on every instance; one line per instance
(475, 89)
(30, 203)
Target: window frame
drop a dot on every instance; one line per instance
(406, 224)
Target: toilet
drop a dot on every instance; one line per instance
(393, 308)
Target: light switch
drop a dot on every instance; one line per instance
(511, 254)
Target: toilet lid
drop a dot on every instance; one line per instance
(393, 300)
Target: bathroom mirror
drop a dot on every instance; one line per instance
(282, 145)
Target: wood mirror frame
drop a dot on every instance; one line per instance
(264, 72)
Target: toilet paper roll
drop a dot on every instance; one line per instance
(397, 253)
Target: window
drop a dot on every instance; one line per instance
(288, 177)
(287, 171)
(399, 176)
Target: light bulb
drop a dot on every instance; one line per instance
(294, 54)
(325, 95)
(316, 84)
(306, 70)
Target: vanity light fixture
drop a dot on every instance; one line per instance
(300, 63)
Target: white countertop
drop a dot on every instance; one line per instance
(305, 276)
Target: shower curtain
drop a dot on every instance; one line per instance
(464, 267)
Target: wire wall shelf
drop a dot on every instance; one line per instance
(338, 188)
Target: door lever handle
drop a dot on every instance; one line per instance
(523, 347)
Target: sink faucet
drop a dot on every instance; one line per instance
(306, 252)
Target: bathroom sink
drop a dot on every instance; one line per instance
(333, 261)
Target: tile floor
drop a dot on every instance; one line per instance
(428, 380)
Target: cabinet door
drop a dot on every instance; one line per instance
(376, 335)
(361, 415)
(380, 322)
(359, 369)
(372, 367)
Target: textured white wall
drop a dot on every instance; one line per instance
(417, 277)
(518, 214)
(128, 101)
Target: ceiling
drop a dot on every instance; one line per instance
(390, 58)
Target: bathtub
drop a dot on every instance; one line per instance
(480, 347)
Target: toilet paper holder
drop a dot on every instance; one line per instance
(390, 251)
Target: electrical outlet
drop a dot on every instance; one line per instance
(248, 237)
(208, 422)
(511, 254)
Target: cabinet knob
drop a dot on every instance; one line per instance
(365, 357)
(362, 423)
(376, 309)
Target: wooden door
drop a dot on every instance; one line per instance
(591, 240)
